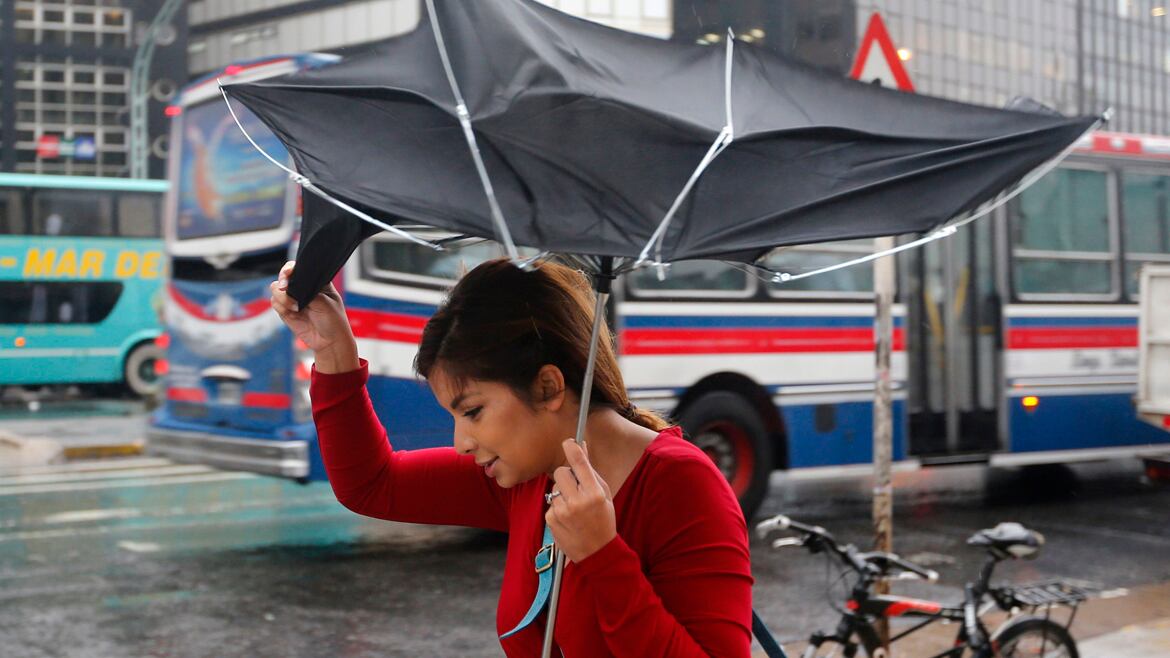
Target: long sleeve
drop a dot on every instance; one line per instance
(368, 476)
(694, 597)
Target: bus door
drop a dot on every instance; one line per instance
(953, 343)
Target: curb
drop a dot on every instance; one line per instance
(36, 450)
(104, 451)
(27, 451)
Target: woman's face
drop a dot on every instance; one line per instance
(512, 440)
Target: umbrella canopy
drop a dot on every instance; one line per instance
(588, 135)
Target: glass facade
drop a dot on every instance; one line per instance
(66, 82)
(1076, 56)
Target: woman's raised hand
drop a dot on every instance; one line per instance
(582, 517)
(322, 325)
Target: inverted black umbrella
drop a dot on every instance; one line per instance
(511, 120)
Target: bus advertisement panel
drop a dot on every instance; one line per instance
(81, 267)
(224, 186)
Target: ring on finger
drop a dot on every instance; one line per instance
(548, 497)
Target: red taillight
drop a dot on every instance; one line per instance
(163, 341)
(161, 367)
(1166, 422)
(304, 371)
(173, 110)
(233, 69)
(186, 394)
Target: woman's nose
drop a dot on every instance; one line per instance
(464, 445)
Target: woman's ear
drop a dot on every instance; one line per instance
(548, 389)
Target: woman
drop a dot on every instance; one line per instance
(656, 545)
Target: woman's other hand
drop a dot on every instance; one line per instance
(322, 325)
(582, 519)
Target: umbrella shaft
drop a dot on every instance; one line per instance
(582, 415)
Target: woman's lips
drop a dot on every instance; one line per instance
(490, 467)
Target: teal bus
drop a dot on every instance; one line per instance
(81, 270)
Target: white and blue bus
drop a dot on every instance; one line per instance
(1016, 339)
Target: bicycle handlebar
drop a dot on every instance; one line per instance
(815, 538)
(886, 560)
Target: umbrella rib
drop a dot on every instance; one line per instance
(307, 184)
(465, 121)
(722, 141)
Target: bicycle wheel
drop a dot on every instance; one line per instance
(1033, 637)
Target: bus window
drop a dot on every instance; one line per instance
(138, 215)
(1145, 206)
(854, 282)
(692, 278)
(11, 213)
(71, 212)
(388, 259)
(1062, 243)
(57, 302)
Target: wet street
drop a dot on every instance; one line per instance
(136, 556)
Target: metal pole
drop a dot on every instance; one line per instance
(883, 425)
(139, 90)
(602, 284)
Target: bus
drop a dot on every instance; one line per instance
(81, 271)
(1015, 339)
(236, 387)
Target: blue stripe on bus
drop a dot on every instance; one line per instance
(1074, 322)
(850, 441)
(366, 302)
(1071, 422)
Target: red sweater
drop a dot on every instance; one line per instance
(676, 581)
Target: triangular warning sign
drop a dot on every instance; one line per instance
(881, 63)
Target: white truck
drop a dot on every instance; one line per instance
(1153, 397)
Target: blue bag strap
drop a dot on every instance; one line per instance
(545, 558)
(771, 647)
(543, 562)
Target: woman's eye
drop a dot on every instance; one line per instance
(472, 413)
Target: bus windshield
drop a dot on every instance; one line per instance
(225, 186)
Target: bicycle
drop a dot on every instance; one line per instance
(1022, 634)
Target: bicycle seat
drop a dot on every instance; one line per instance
(1009, 540)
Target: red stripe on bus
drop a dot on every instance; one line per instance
(397, 327)
(266, 400)
(1115, 143)
(1063, 338)
(187, 394)
(250, 309)
(750, 341)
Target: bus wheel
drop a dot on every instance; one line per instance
(139, 369)
(727, 428)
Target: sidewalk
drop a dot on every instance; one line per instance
(91, 431)
(1135, 625)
